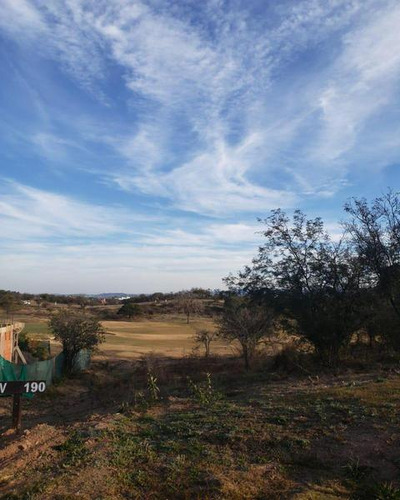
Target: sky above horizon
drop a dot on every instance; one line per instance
(140, 140)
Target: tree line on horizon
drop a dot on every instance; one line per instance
(11, 300)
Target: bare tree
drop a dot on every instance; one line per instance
(205, 337)
(375, 229)
(189, 305)
(248, 324)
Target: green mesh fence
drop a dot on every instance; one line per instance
(47, 370)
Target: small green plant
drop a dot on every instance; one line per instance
(140, 401)
(124, 408)
(204, 392)
(354, 470)
(40, 352)
(152, 387)
(37, 348)
(380, 491)
(386, 491)
(23, 341)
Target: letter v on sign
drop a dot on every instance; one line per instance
(3, 387)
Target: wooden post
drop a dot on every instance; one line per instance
(16, 414)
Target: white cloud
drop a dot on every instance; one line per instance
(205, 186)
(172, 260)
(69, 246)
(214, 82)
(204, 77)
(97, 268)
(35, 213)
(26, 212)
(213, 235)
(364, 80)
(218, 117)
(21, 19)
(213, 182)
(53, 147)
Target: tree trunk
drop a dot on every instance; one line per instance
(69, 359)
(246, 358)
(394, 306)
(330, 356)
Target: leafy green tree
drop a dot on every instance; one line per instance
(201, 293)
(82, 301)
(8, 302)
(309, 278)
(23, 341)
(38, 349)
(76, 331)
(130, 310)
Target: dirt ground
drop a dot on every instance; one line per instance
(252, 435)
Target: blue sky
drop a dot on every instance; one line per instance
(140, 140)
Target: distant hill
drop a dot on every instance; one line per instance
(117, 295)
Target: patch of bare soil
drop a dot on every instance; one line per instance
(20, 453)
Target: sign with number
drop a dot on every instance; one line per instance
(22, 387)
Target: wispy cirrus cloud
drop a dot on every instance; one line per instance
(27, 212)
(213, 183)
(222, 78)
(21, 19)
(126, 267)
(50, 239)
(206, 76)
(53, 147)
(37, 213)
(364, 81)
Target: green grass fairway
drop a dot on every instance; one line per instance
(39, 329)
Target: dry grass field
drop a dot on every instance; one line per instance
(168, 336)
(171, 337)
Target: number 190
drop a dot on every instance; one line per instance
(35, 387)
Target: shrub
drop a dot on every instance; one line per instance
(76, 331)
